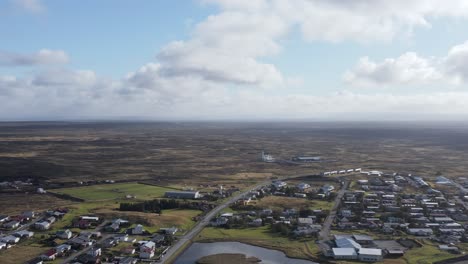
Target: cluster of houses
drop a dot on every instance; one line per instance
(96, 245)
(305, 226)
(382, 207)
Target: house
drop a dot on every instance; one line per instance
(420, 231)
(29, 214)
(301, 221)
(110, 242)
(279, 184)
(158, 239)
(257, 222)
(303, 186)
(183, 195)
(2, 245)
(95, 252)
(300, 195)
(4, 218)
(138, 230)
(220, 221)
(24, 234)
(64, 234)
(50, 255)
(12, 225)
(42, 225)
(169, 231)
(370, 254)
(61, 249)
(147, 250)
(10, 239)
(327, 188)
(344, 253)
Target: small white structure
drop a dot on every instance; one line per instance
(420, 231)
(41, 191)
(267, 157)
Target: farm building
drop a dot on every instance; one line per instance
(182, 195)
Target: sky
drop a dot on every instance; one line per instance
(234, 60)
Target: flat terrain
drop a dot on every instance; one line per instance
(187, 154)
(114, 191)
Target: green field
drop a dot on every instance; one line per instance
(261, 236)
(114, 191)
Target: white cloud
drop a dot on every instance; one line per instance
(41, 57)
(33, 6)
(410, 68)
(212, 73)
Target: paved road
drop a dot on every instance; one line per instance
(76, 254)
(324, 234)
(205, 221)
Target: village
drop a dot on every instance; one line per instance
(349, 214)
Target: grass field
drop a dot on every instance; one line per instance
(21, 253)
(426, 254)
(114, 191)
(262, 237)
(279, 202)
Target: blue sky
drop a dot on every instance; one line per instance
(219, 59)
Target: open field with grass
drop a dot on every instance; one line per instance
(21, 253)
(261, 237)
(426, 254)
(280, 202)
(114, 191)
(16, 203)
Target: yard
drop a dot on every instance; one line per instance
(114, 191)
(262, 237)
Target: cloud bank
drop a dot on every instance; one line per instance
(221, 70)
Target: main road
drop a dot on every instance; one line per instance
(187, 238)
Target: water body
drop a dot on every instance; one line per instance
(268, 256)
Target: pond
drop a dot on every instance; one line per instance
(268, 256)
